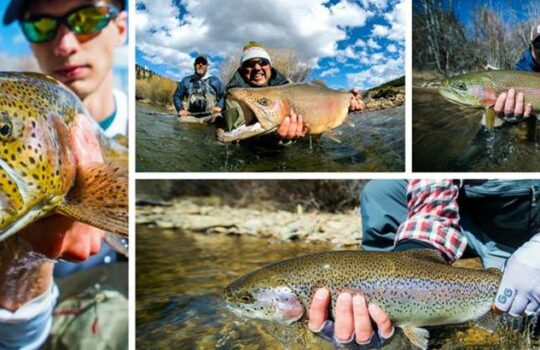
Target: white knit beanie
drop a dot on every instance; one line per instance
(254, 50)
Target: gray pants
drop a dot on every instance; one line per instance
(383, 206)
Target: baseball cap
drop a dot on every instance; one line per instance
(16, 8)
(201, 57)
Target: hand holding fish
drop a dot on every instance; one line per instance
(356, 103)
(352, 320)
(292, 127)
(511, 107)
(519, 291)
(53, 237)
(215, 110)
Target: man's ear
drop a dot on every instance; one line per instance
(121, 25)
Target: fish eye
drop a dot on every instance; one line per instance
(5, 129)
(263, 101)
(246, 298)
(461, 86)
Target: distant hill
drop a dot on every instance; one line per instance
(153, 87)
(145, 73)
(392, 83)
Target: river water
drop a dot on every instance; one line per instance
(180, 281)
(376, 143)
(448, 137)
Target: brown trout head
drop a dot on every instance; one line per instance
(266, 106)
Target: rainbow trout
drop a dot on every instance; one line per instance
(481, 89)
(322, 109)
(415, 288)
(40, 123)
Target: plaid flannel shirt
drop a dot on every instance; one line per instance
(433, 216)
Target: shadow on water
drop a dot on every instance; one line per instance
(376, 143)
(447, 137)
(180, 281)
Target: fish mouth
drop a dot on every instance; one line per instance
(453, 96)
(16, 216)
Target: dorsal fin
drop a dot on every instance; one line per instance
(319, 83)
(426, 254)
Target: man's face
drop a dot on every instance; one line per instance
(201, 67)
(257, 72)
(82, 62)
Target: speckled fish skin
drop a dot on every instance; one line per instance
(322, 109)
(481, 89)
(37, 165)
(415, 288)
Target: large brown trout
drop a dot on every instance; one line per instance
(481, 89)
(40, 123)
(322, 109)
(415, 288)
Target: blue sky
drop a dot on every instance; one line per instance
(356, 43)
(16, 54)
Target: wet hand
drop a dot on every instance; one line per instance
(215, 110)
(292, 127)
(353, 317)
(511, 107)
(356, 103)
(183, 113)
(519, 291)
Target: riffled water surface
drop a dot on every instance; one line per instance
(447, 137)
(180, 282)
(376, 143)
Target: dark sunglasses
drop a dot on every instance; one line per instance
(263, 62)
(536, 45)
(203, 62)
(85, 20)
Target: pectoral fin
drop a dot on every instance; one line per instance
(488, 322)
(117, 242)
(418, 336)
(490, 119)
(333, 135)
(348, 121)
(99, 198)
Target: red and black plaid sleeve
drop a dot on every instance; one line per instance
(433, 216)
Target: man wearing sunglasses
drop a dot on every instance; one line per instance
(256, 71)
(509, 106)
(73, 41)
(205, 93)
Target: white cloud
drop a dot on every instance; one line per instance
(379, 4)
(377, 74)
(397, 19)
(391, 48)
(359, 43)
(312, 27)
(329, 72)
(373, 44)
(380, 31)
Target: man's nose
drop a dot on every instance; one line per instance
(65, 42)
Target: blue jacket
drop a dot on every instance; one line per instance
(527, 62)
(185, 88)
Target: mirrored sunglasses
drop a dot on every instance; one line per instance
(85, 20)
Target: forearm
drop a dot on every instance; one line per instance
(433, 217)
(23, 277)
